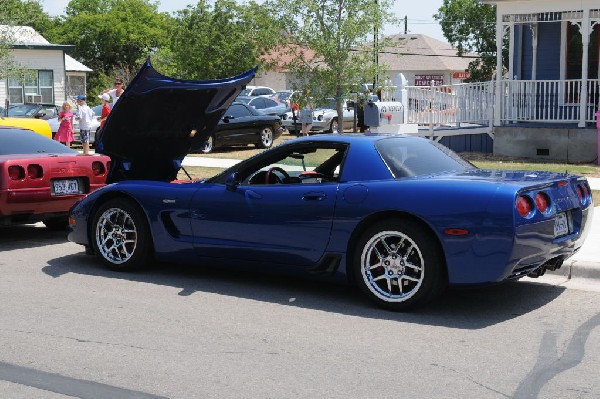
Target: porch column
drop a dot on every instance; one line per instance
(534, 55)
(585, 39)
(498, 106)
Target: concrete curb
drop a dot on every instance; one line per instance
(576, 269)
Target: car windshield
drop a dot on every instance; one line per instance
(243, 100)
(245, 92)
(22, 110)
(419, 157)
(19, 141)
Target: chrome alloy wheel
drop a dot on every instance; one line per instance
(266, 137)
(116, 235)
(392, 266)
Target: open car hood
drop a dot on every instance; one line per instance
(149, 130)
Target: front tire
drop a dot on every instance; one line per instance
(398, 264)
(208, 145)
(265, 138)
(333, 127)
(121, 235)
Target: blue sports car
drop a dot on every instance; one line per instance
(402, 217)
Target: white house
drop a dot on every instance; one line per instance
(544, 104)
(56, 77)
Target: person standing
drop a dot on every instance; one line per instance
(105, 109)
(84, 115)
(306, 113)
(116, 91)
(65, 129)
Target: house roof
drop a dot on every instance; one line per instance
(28, 38)
(417, 52)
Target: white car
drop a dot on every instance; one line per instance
(325, 118)
(257, 91)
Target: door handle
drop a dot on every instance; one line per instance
(314, 196)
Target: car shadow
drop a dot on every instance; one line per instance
(29, 236)
(457, 308)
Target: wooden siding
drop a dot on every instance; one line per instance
(548, 63)
(43, 60)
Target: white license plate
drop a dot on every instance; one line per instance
(561, 225)
(65, 186)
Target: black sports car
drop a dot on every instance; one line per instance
(243, 125)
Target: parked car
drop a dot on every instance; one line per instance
(37, 125)
(283, 96)
(400, 216)
(264, 105)
(243, 125)
(35, 182)
(257, 91)
(325, 118)
(38, 111)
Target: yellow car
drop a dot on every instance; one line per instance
(37, 125)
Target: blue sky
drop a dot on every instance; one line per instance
(420, 14)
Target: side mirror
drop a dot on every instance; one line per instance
(233, 180)
(227, 118)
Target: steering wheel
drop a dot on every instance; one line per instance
(285, 174)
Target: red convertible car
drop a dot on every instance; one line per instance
(40, 179)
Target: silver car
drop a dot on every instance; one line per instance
(325, 118)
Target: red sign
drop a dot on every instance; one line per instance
(425, 80)
(461, 75)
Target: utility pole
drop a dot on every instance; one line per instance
(405, 24)
(375, 50)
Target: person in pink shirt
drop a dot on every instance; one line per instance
(65, 129)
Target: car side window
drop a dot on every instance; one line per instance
(270, 103)
(237, 111)
(303, 165)
(259, 103)
(50, 112)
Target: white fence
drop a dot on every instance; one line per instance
(548, 101)
(542, 101)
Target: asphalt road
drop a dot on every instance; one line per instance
(70, 328)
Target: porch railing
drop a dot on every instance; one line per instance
(548, 101)
(541, 101)
(451, 105)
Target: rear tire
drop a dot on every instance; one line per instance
(121, 235)
(398, 264)
(265, 138)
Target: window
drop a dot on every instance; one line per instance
(237, 111)
(36, 82)
(574, 60)
(75, 86)
(575, 53)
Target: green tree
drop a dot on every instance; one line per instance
(470, 26)
(111, 36)
(331, 43)
(225, 39)
(26, 13)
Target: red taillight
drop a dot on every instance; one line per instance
(98, 168)
(562, 183)
(541, 202)
(524, 206)
(16, 172)
(34, 171)
(580, 193)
